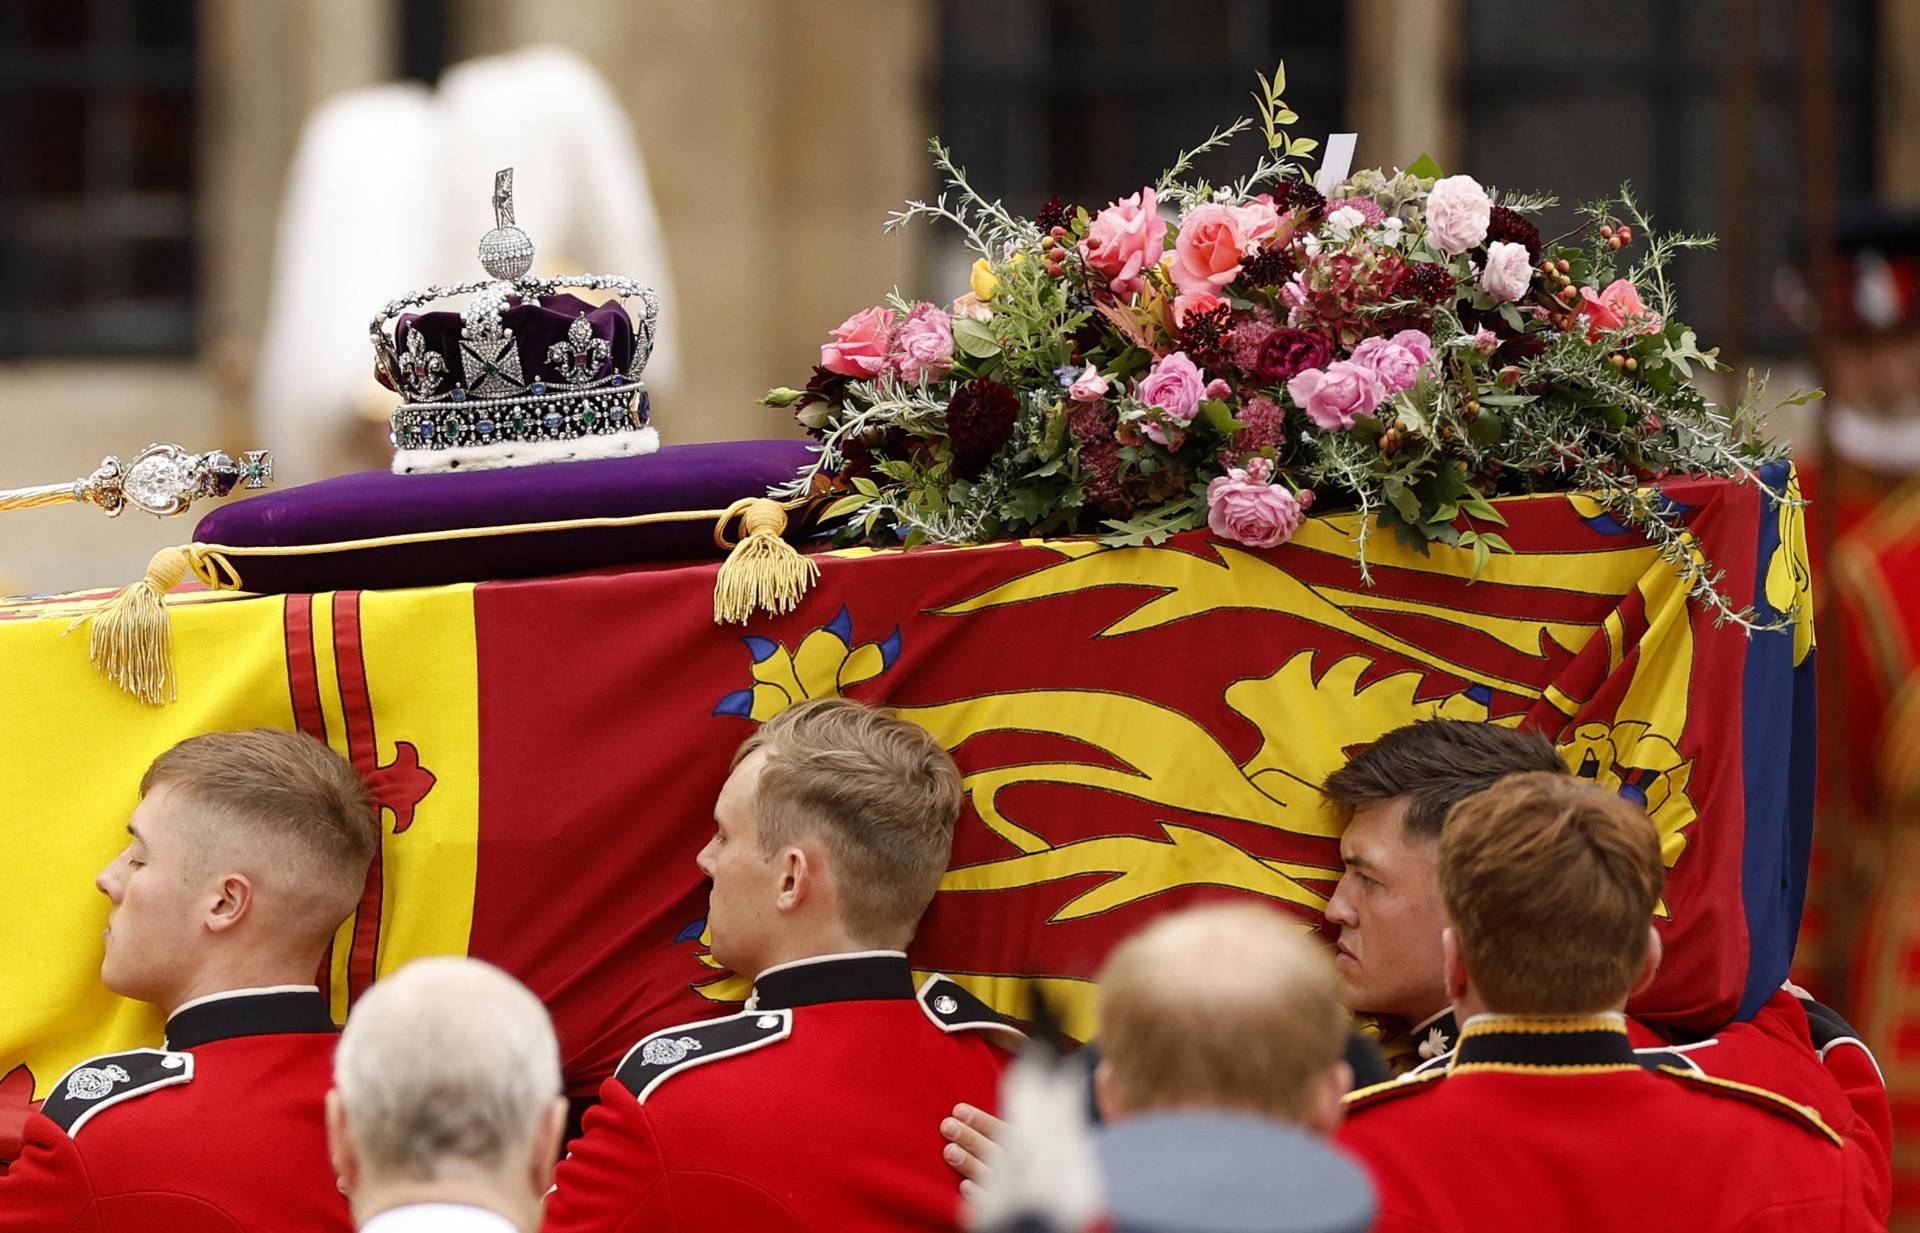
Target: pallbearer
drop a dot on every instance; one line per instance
(1544, 1118)
(246, 853)
(816, 1106)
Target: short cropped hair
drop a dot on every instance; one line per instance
(290, 790)
(878, 790)
(1434, 764)
(1223, 1006)
(447, 1061)
(1550, 883)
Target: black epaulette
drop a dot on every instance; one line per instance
(1760, 1098)
(102, 1082)
(950, 1006)
(1667, 1059)
(1392, 1089)
(676, 1049)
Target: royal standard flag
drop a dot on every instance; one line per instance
(1139, 728)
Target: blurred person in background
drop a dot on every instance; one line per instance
(1220, 1077)
(1864, 528)
(446, 1113)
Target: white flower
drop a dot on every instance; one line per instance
(1391, 231)
(1341, 222)
(1509, 272)
(1458, 211)
(1310, 244)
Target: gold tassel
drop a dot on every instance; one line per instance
(763, 569)
(131, 642)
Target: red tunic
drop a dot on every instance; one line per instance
(817, 1108)
(222, 1131)
(1553, 1124)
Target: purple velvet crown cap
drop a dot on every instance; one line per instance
(536, 327)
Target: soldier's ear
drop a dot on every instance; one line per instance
(1456, 968)
(796, 879)
(1650, 967)
(233, 899)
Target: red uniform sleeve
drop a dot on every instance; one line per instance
(614, 1180)
(1777, 1049)
(47, 1188)
(1854, 1070)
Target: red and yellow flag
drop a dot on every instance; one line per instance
(1138, 728)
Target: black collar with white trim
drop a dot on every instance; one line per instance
(873, 975)
(280, 1010)
(1544, 1043)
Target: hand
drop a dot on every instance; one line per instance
(973, 1148)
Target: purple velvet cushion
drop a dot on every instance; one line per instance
(370, 504)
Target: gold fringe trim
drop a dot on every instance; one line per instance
(763, 570)
(131, 641)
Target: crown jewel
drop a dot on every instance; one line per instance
(526, 373)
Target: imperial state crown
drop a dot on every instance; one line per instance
(525, 373)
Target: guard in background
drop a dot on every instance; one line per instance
(817, 1106)
(1862, 936)
(246, 853)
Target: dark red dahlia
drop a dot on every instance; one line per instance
(980, 420)
(1287, 353)
(1053, 213)
(1204, 336)
(822, 386)
(1267, 268)
(1513, 227)
(1425, 281)
(861, 453)
(1298, 195)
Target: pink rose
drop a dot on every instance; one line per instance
(1124, 240)
(1207, 253)
(1218, 390)
(1396, 361)
(1332, 398)
(1485, 341)
(1509, 272)
(923, 345)
(1416, 343)
(1187, 303)
(1175, 386)
(1258, 221)
(1242, 506)
(1617, 306)
(1458, 211)
(1089, 386)
(861, 343)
